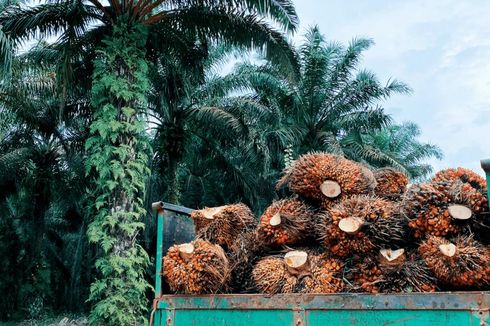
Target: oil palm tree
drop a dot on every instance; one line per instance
(42, 190)
(395, 146)
(331, 98)
(120, 39)
(206, 112)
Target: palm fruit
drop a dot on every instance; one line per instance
(195, 268)
(366, 275)
(464, 175)
(326, 179)
(298, 272)
(222, 225)
(351, 226)
(460, 263)
(393, 271)
(285, 222)
(444, 208)
(425, 207)
(465, 205)
(325, 277)
(390, 184)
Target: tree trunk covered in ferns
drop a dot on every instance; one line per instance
(118, 156)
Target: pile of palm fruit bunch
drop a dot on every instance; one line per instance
(343, 227)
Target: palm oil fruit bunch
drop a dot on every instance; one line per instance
(463, 175)
(298, 272)
(392, 271)
(285, 222)
(465, 204)
(459, 263)
(197, 267)
(222, 225)
(404, 272)
(425, 207)
(349, 226)
(326, 178)
(390, 184)
(366, 275)
(325, 277)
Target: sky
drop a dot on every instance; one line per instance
(441, 49)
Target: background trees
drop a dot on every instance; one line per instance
(128, 105)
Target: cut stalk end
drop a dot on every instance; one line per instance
(296, 261)
(448, 249)
(186, 250)
(460, 212)
(351, 225)
(330, 189)
(392, 257)
(209, 213)
(275, 220)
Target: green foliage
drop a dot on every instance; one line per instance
(397, 146)
(118, 156)
(41, 192)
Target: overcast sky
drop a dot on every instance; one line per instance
(440, 48)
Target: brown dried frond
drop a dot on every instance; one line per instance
(222, 225)
(390, 184)
(368, 210)
(295, 222)
(469, 265)
(310, 171)
(205, 270)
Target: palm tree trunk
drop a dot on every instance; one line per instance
(118, 154)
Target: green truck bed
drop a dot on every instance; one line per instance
(441, 308)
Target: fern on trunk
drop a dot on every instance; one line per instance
(118, 157)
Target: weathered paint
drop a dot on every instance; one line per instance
(463, 308)
(159, 257)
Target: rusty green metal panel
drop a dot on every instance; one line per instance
(392, 317)
(464, 308)
(485, 164)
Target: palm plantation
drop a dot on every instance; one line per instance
(130, 95)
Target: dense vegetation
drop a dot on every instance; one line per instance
(115, 106)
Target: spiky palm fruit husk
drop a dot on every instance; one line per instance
(392, 231)
(472, 200)
(430, 208)
(243, 255)
(323, 275)
(463, 175)
(390, 184)
(204, 270)
(409, 275)
(222, 225)
(365, 209)
(459, 263)
(285, 222)
(307, 175)
(425, 207)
